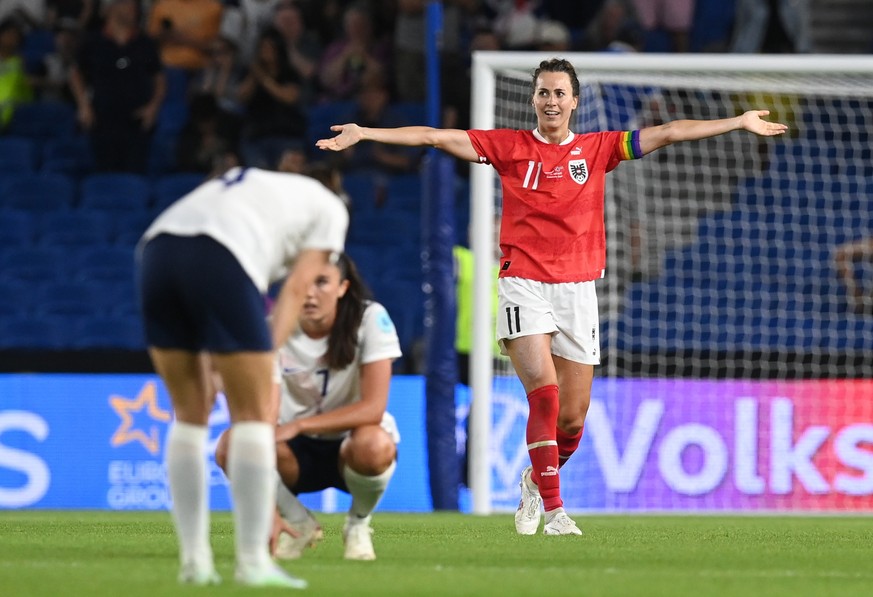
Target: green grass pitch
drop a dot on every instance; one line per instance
(67, 554)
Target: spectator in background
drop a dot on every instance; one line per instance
(118, 86)
(604, 28)
(373, 108)
(356, 56)
(516, 23)
(326, 18)
(83, 13)
(29, 14)
(304, 49)
(185, 30)
(51, 78)
(14, 85)
(271, 92)
(674, 16)
(293, 161)
(208, 142)
(553, 36)
(410, 71)
(222, 77)
(847, 258)
(244, 21)
(772, 27)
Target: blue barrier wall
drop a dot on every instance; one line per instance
(96, 442)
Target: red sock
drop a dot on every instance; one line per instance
(567, 444)
(542, 444)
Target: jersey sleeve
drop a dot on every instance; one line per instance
(328, 230)
(488, 145)
(625, 146)
(378, 340)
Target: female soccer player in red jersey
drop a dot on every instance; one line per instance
(554, 247)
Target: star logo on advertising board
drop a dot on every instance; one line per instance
(145, 433)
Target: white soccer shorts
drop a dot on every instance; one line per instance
(567, 311)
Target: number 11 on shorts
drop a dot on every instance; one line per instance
(510, 311)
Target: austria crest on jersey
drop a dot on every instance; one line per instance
(579, 171)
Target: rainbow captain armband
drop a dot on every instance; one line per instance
(630, 145)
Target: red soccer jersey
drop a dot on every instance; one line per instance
(552, 227)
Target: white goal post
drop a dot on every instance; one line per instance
(822, 164)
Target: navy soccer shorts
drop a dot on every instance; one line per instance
(195, 296)
(319, 464)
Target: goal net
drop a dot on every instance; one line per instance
(737, 367)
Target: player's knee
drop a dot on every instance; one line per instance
(571, 427)
(370, 450)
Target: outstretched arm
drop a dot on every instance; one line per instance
(656, 137)
(454, 142)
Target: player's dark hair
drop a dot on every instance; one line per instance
(327, 174)
(343, 340)
(556, 65)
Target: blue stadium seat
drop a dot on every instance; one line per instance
(366, 191)
(66, 299)
(115, 192)
(106, 263)
(68, 155)
(385, 229)
(170, 187)
(173, 114)
(32, 333)
(76, 228)
(129, 228)
(15, 298)
(162, 154)
(404, 193)
(109, 332)
(17, 227)
(369, 261)
(38, 43)
(18, 155)
(32, 263)
(43, 120)
(38, 192)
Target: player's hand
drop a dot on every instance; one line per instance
(349, 134)
(287, 432)
(752, 122)
(279, 527)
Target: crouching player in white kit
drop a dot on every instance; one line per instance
(334, 430)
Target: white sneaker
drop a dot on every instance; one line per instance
(270, 575)
(291, 548)
(358, 537)
(527, 517)
(193, 574)
(561, 524)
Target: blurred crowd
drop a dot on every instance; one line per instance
(236, 81)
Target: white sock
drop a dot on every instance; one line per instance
(251, 465)
(366, 491)
(186, 471)
(289, 506)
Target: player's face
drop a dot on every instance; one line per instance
(323, 295)
(553, 100)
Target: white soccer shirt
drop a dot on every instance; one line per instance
(310, 388)
(264, 218)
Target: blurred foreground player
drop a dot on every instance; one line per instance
(204, 267)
